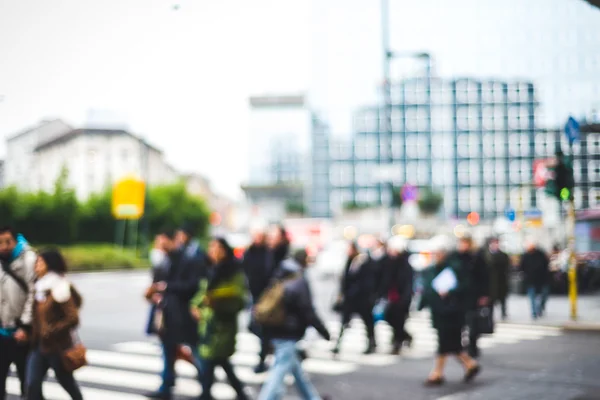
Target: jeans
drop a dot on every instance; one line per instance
(12, 352)
(538, 298)
(38, 366)
(207, 377)
(286, 361)
(168, 373)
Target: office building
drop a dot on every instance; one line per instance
(586, 167)
(472, 140)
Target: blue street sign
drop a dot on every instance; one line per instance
(533, 214)
(510, 214)
(572, 130)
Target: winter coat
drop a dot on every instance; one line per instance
(219, 301)
(536, 266)
(498, 268)
(358, 282)
(397, 281)
(256, 267)
(16, 304)
(300, 313)
(56, 314)
(449, 311)
(182, 280)
(474, 267)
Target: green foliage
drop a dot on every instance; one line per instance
(429, 201)
(397, 197)
(58, 218)
(87, 257)
(356, 206)
(295, 207)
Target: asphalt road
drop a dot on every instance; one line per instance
(519, 361)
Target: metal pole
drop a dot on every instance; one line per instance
(387, 98)
(146, 218)
(571, 247)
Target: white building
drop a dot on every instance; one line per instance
(1, 174)
(20, 155)
(96, 158)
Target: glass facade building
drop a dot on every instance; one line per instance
(472, 140)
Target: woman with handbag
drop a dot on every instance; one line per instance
(445, 289)
(55, 319)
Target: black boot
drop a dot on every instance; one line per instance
(371, 347)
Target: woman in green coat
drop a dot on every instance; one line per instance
(216, 307)
(446, 300)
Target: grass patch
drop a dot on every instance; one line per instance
(99, 257)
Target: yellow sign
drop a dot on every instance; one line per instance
(128, 198)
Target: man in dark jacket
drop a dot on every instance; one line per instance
(173, 296)
(498, 267)
(185, 240)
(536, 266)
(477, 291)
(299, 315)
(357, 294)
(257, 267)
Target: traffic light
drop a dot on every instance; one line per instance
(564, 181)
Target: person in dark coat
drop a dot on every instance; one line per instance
(536, 266)
(256, 265)
(172, 295)
(300, 314)
(357, 295)
(447, 300)
(185, 239)
(477, 291)
(498, 267)
(397, 289)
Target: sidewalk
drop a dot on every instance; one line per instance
(558, 312)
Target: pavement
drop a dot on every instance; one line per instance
(522, 360)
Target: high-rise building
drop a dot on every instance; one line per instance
(472, 140)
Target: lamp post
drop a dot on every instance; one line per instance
(387, 130)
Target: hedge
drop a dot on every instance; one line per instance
(59, 218)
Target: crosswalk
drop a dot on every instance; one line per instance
(128, 369)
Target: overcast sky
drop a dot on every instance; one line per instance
(182, 77)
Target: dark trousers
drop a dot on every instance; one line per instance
(502, 302)
(396, 317)
(207, 378)
(365, 312)
(473, 349)
(38, 366)
(168, 374)
(12, 352)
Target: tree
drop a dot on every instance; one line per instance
(356, 206)
(295, 207)
(397, 197)
(429, 201)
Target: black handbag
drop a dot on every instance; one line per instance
(484, 320)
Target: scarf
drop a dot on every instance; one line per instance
(58, 285)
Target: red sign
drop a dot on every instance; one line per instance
(541, 174)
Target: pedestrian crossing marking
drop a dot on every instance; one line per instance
(130, 368)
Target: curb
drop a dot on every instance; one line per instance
(581, 327)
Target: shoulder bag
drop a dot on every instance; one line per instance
(74, 357)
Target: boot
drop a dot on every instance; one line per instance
(371, 347)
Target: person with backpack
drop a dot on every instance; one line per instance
(17, 278)
(216, 307)
(286, 310)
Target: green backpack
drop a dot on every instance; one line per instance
(270, 309)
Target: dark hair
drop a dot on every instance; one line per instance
(301, 257)
(168, 232)
(229, 253)
(55, 262)
(284, 233)
(10, 230)
(189, 229)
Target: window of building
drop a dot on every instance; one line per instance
(411, 172)
(541, 148)
(464, 200)
(423, 173)
(501, 201)
(371, 122)
(366, 196)
(513, 145)
(397, 146)
(515, 172)
(577, 170)
(462, 144)
(594, 197)
(363, 174)
(513, 93)
(371, 147)
(499, 96)
(475, 200)
(422, 146)
(524, 117)
(594, 170)
(524, 142)
(412, 146)
(499, 119)
(442, 119)
(340, 151)
(593, 143)
(500, 172)
(340, 174)
(360, 147)
(462, 118)
(488, 118)
(397, 120)
(489, 174)
(474, 172)
(463, 172)
(474, 149)
(577, 193)
(513, 118)
(488, 145)
(489, 199)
